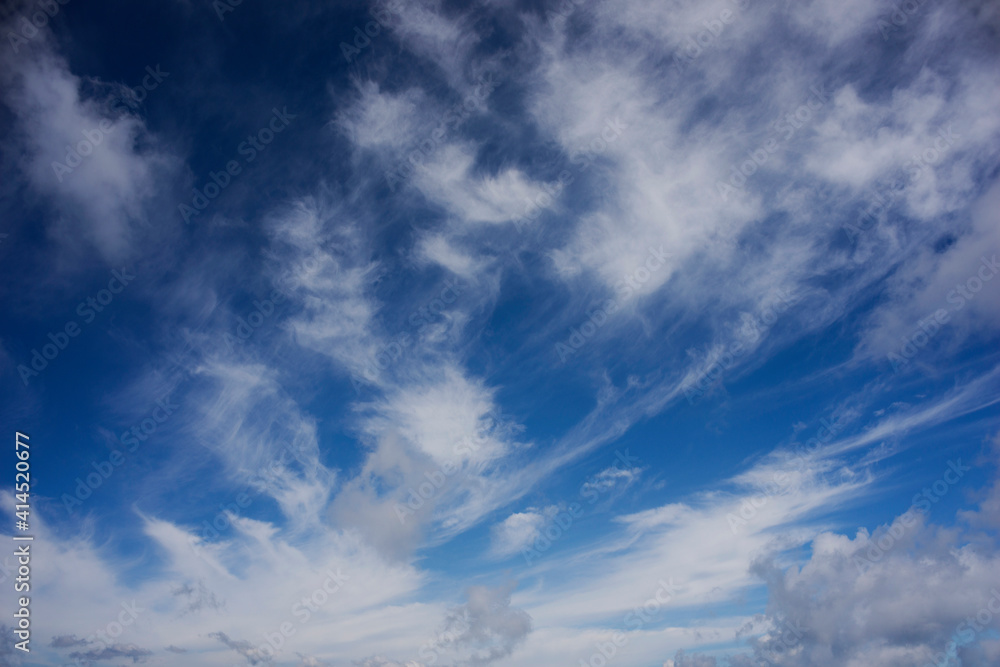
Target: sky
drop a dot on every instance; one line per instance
(514, 333)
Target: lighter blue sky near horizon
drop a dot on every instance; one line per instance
(515, 333)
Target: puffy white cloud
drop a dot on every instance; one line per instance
(487, 625)
(909, 592)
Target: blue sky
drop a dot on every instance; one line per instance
(514, 333)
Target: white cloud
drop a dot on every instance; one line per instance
(105, 194)
(958, 281)
(517, 531)
(323, 262)
(436, 445)
(442, 417)
(680, 134)
(380, 120)
(905, 593)
(440, 34)
(216, 587)
(264, 440)
(609, 479)
(439, 249)
(448, 179)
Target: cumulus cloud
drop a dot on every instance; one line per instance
(487, 625)
(908, 593)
